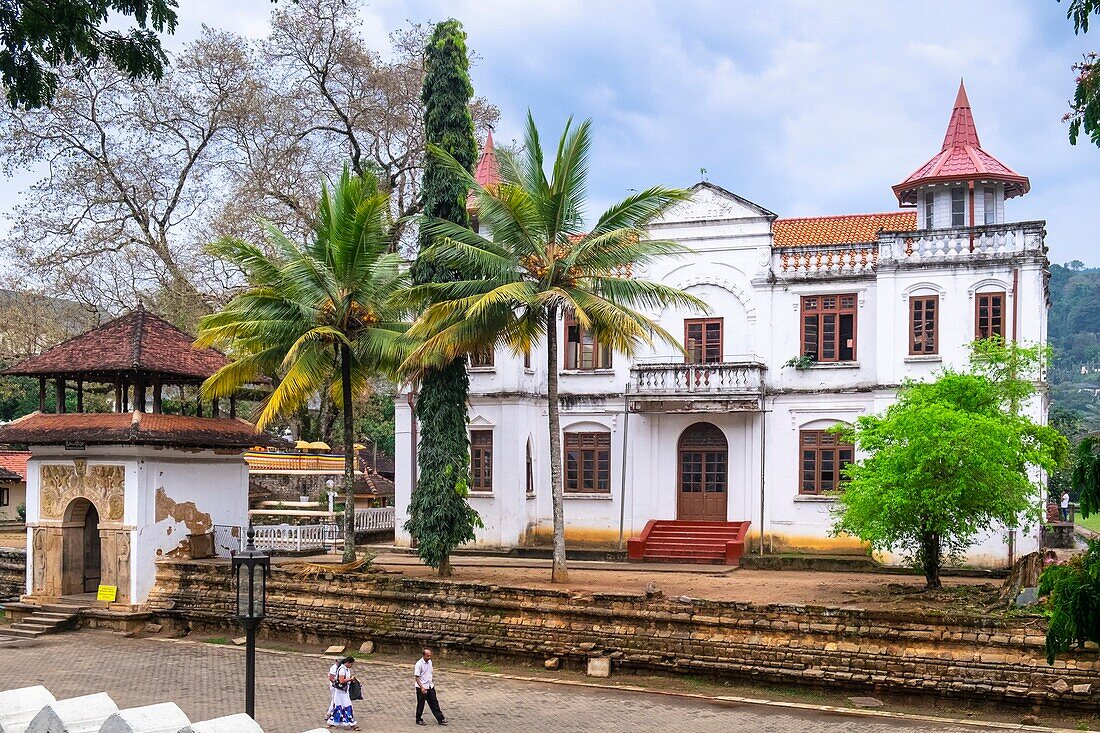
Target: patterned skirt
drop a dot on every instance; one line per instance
(339, 712)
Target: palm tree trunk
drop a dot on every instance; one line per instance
(349, 454)
(559, 573)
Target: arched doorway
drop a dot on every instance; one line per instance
(81, 565)
(703, 473)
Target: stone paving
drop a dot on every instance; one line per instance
(205, 680)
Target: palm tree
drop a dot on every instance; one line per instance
(540, 264)
(314, 318)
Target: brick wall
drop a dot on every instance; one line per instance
(973, 656)
(13, 570)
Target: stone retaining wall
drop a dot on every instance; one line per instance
(13, 572)
(967, 656)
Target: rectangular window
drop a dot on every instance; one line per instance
(703, 340)
(958, 206)
(829, 327)
(924, 314)
(823, 461)
(5, 497)
(527, 359)
(530, 471)
(588, 463)
(929, 209)
(582, 351)
(989, 316)
(482, 359)
(990, 205)
(481, 460)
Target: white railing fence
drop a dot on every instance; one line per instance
(720, 378)
(327, 536)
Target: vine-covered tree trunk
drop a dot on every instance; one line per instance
(440, 519)
(349, 455)
(559, 573)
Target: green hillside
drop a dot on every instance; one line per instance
(1074, 332)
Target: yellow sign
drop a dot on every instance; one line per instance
(107, 593)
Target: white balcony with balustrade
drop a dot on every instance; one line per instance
(667, 384)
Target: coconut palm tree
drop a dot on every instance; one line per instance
(316, 318)
(540, 264)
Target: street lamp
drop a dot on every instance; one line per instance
(250, 570)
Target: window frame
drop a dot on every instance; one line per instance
(598, 452)
(530, 467)
(929, 210)
(702, 323)
(958, 218)
(572, 360)
(483, 359)
(817, 448)
(5, 496)
(989, 213)
(978, 297)
(481, 461)
(925, 336)
(820, 311)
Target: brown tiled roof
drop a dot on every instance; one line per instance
(15, 462)
(133, 428)
(844, 229)
(136, 342)
(374, 483)
(7, 477)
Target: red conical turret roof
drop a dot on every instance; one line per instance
(961, 159)
(487, 172)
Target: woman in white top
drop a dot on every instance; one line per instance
(340, 714)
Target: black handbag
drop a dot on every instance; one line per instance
(355, 690)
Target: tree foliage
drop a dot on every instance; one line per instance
(40, 36)
(945, 463)
(1085, 480)
(538, 261)
(314, 318)
(440, 518)
(1072, 590)
(140, 173)
(1084, 114)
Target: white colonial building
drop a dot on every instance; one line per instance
(735, 433)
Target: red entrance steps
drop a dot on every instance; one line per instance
(677, 540)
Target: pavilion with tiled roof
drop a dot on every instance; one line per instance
(110, 492)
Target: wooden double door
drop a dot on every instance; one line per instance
(703, 481)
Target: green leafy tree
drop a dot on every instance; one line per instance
(1085, 479)
(1072, 590)
(540, 263)
(1084, 114)
(314, 318)
(945, 463)
(39, 36)
(440, 518)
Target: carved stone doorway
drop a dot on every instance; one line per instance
(81, 560)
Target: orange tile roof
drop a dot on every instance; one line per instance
(14, 462)
(843, 229)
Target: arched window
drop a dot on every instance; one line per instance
(530, 470)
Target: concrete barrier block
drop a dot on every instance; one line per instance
(165, 717)
(239, 723)
(17, 707)
(599, 667)
(76, 715)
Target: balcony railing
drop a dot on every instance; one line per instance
(920, 246)
(732, 377)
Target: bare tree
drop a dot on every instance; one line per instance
(139, 175)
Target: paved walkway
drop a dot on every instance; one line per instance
(205, 680)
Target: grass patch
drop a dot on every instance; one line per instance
(1092, 522)
(221, 640)
(481, 666)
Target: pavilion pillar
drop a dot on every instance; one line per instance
(118, 396)
(125, 396)
(215, 408)
(41, 394)
(139, 394)
(59, 403)
(157, 396)
(80, 394)
(232, 406)
(198, 403)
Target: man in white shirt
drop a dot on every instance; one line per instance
(425, 689)
(1065, 506)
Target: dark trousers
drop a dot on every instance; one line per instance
(433, 703)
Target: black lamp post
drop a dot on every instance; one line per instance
(250, 570)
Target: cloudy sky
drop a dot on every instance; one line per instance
(804, 107)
